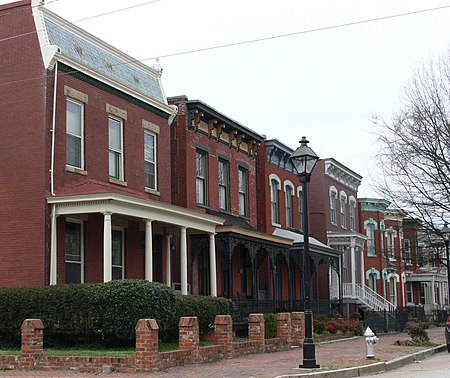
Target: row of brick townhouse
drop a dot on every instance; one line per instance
(109, 179)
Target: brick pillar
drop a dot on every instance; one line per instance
(147, 355)
(297, 328)
(284, 327)
(32, 352)
(223, 330)
(256, 330)
(189, 336)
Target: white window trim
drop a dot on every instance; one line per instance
(342, 206)
(73, 168)
(81, 223)
(155, 162)
(274, 177)
(352, 205)
(333, 193)
(121, 177)
(289, 184)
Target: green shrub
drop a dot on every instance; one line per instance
(87, 314)
(205, 308)
(270, 324)
(350, 326)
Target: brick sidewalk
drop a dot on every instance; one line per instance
(335, 355)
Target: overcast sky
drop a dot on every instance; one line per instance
(322, 84)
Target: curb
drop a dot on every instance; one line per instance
(379, 367)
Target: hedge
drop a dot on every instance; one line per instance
(86, 314)
(205, 308)
(102, 314)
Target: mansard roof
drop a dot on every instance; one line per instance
(65, 42)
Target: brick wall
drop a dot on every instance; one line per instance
(290, 331)
(25, 170)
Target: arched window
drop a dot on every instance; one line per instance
(352, 206)
(343, 208)
(274, 198)
(300, 205)
(289, 191)
(333, 205)
(370, 226)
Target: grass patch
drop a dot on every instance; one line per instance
(125, 352)
(92, 352)
(9, 351)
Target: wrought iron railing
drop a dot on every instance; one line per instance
(245, 307)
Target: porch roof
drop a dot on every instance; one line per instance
(134, 207)
(298, 240)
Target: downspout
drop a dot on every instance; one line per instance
(52, 164)
(53, 246)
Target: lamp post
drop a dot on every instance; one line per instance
(304, 159)
(446, 234)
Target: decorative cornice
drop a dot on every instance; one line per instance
(342, 174)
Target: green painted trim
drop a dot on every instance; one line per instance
(97, 83)
(373, 204)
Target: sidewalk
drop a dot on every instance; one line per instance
(334, 356)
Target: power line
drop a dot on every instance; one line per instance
(299, 32)
(115, 11)
(239, 43)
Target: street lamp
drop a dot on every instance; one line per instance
(304, 159)
(446, 234)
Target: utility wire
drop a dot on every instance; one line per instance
(242, 42)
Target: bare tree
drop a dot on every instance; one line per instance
(415, 147)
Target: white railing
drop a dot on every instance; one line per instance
(367, 296)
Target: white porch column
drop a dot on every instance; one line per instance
(212, 265)
(53, 249)
(148, 250)
(353, 262)
(168, 262)
(183, 254)
(107, 247)
(363, 281)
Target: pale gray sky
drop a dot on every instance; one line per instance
(322, 84)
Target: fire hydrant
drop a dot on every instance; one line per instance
(371, 340)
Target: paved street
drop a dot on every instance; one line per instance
(437, 366)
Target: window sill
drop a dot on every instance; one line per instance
(276, 224)
(392, 259)
(79, 171)
(118, 182)
(152, 191)
(371, 255)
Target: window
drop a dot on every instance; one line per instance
(392, 291)
(224, 184)
(150, 159)
(343, 209)
(274, 188)
(243, 192)
(370, 232)
(115, 149)
(390, 244)
(300, 207)
(74, 253)
(409, 292)
(352, 206)
(423, 292)
(333, 200)
(289, 210)
(117, 255)
(201, 168)
(407, 243)
(74, 133)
